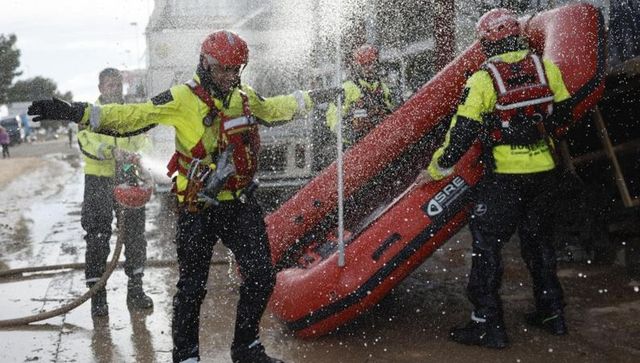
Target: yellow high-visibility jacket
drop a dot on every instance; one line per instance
(97, 150)
(180, 108)
(352, 95)
(480, 101)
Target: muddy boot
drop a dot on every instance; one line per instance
(481, 332)
(253, 353)
(99, 306)
(136, 298)
(553, 322)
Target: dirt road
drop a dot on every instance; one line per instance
(40, 226)
(25, 157)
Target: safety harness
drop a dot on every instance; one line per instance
(366, 113)
(524, 101)
(241, 132)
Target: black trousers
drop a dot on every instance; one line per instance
(5, 151)
(241, 228)
(97, 215)
(504, 204)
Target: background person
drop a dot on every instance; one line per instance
(367, 100)
(5, 140)
(99, 205)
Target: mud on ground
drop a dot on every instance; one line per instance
(410, 325)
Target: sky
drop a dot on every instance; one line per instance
(70, 41)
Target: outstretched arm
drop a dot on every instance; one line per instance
(272, 111)
(114, 119)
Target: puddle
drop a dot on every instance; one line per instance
(411, 324)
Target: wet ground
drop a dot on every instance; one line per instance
(40, 225)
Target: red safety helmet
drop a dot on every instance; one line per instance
(132, 196)
(366, 54)
(225, 48)
(497, 24)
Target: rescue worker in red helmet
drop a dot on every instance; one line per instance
(213, 114)
(99, 204)
(367, 100)
(516, 101)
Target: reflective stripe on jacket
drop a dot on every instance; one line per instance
(97, 150)
(181, 109)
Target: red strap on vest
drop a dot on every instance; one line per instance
(172, 165)
(524, 99)
(245, 137)
(175, 165)
(204, 96)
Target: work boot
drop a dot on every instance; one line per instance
(253, 353)
(481, 332)
(552, 322)
(136, 298)
(99, 306)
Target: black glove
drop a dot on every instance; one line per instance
(56, 109)
(217, 178)
(326, 95)
(558, 123)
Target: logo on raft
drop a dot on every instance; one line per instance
(447, 195)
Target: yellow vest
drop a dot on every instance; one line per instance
(97, 150)
(481, 100)
(352, 94)
(181, 109)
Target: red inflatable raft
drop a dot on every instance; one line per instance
(313, 295)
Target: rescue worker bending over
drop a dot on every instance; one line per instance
(213, 114)
(367, 100)
(515, 101)
(99, 205)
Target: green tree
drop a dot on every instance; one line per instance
(9, 63)
(35, 88)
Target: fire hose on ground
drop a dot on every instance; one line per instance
(84, 297)
(134, 192)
